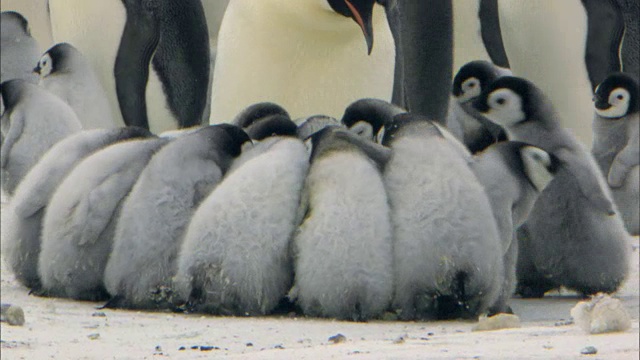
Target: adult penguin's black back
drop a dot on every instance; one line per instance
(173, 37)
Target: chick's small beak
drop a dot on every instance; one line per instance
(481, 105)
(600, 103)
(37, 69)
(362, 14)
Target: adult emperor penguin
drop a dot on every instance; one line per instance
(152, 56)
(573, 236)
(447, 251)
(527, 115)
(342, 251)
(37, 12)
(463, 120)
(33, 121)
(18, 48)
(158, 210)
(22, 230)
(78, 226)
(308, 56)
(235, 259)
(615, 143)
(66, 73)
(512, 174)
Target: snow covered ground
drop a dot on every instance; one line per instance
(65, 329)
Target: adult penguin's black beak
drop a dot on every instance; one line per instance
(362, 14)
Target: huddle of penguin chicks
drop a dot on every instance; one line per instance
(386, 211)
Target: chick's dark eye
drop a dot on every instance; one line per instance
(620, 97)
(472, 85)
(501, 101)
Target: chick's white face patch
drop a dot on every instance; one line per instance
(537, 163)
(619, 100)
(46, 65)
(471, 89)
(505, 108)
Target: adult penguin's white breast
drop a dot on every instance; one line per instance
(467, 44)
(545, 41)
(315, 64)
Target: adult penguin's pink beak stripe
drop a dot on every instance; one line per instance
(361, 11)
(363, 18)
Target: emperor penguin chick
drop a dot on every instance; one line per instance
(156, 213)
(33, 121)
(526, 114)
(19, 50)
(566, 242)
(573, 236)
(463, 120)
(22, 231)
(616, 128)
(447, 251)
(264, 123)
(366, 117)
(37, 12)
(308, 126)
(66, 73)
(78, 226)
(235, 258)
(343, 249)
(512, 174)
(308, 56)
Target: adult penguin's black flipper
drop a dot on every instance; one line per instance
(182, 60)
(139, 40)
(605, 29)
(425, 49)
(491, 34)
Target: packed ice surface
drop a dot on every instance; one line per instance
(62, 328)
